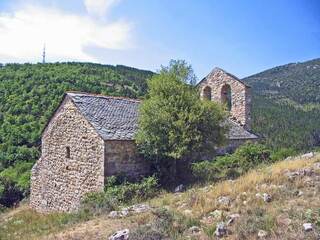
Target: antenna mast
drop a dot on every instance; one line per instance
(44, 54)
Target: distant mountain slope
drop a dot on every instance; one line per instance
(286, 104)
(29, 93)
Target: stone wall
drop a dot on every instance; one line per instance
(122, 158)
(240, 95)
(59, 181)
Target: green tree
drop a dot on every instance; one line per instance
(174, 123)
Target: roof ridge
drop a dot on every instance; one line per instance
(102, 96)
(225, 72)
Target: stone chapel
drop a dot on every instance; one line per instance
(90, 137)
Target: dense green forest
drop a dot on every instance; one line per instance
(286, 105)
(29, 93)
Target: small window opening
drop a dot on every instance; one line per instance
(207, 93)
(67, 152)
(226, 96)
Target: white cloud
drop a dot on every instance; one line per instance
(23, 33)
(99, 7)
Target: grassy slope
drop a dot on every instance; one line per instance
(196, 204)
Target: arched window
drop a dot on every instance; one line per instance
(207, 93)
(226, 96)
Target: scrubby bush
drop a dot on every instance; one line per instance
(245, 157)
(116, 194)
(283, 153)
(98, 203)
(15, 183)
(127, 191)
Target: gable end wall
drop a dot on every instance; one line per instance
(240, 95)
(59, 183)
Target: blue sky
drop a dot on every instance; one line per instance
(243, 37)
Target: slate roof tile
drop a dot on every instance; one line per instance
(116, 118)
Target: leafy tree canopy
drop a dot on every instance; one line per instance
(174, 123)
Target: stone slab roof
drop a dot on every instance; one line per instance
(236, 131)
(116, 118)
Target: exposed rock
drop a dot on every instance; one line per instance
(267, 197)
(224, 200)
(194, 230)
(316, 165)
(134, 209)
(308, 227)
(289, 158)
(299, 173)
(258, 195)
(113, 214)
(120, 235)
(308, 181)
(179, 188)
(140, 208)
(232, 218)
(221, 230)
(308, 155)
(262, 234)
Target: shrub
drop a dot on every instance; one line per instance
(205, 170)
(282, 153)
(250, 155)
(116, 194)
(127, 192)
(15, 183)
(98, 203)
(245, 157)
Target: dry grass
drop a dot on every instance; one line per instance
(197, 204)
(255, 214)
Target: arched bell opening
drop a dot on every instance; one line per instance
(226, 96)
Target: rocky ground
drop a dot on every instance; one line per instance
(281, 201)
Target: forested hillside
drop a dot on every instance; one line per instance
(286, 104)
(29, 93)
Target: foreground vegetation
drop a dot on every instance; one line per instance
(294, 201)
